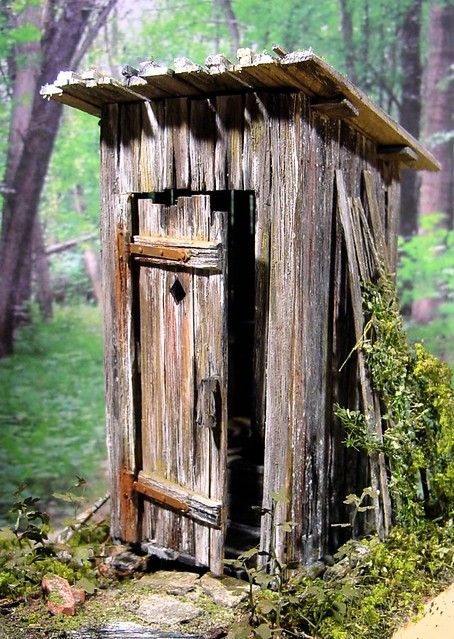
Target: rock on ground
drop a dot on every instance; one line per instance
(62, 599)
(166, 610)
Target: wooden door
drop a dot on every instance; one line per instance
(180, 251)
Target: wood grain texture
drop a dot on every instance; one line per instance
(202, 144)
(182, 344)
(229, 142)
(276, 146)
(177, 126)
(119, 341)
(314, 416)
(284, 113)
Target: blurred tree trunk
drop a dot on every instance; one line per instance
(92, 260)
(44, 295)
(93, 270)
(410, 109)
(232, 23)
(437, 189)
(347, 36)
(68, 27)
(23, 68)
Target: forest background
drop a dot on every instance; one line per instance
(51, 379)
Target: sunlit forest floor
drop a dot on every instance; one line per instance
(52, 410)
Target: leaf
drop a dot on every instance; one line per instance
(266, 606)
(69, 497)
(82, 553)
(87, 584)
(263, 631)
(280, 496)
(352, 500)
(248, 554)
(263, 579)
(287, 526)
(239, 631)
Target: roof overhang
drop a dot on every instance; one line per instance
(331, 93)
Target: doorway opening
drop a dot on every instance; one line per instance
(244, 439)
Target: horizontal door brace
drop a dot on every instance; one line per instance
(168, 493)
(186, 253)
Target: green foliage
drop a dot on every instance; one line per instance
(373, 587)
(416, 389)
(358, 505)
(27, 555)
(70, 203)
(266, 581)
(52, 413)
(426, 271)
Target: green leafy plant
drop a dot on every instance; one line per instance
(373, 586)
(358, 506)
(266, 581)
(416, 390)
(27, 553)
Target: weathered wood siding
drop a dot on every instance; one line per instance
(275, 145)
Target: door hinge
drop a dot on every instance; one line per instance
(161, 252)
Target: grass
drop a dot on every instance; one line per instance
(52, 406)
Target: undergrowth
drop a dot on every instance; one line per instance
(373, 586)
(27, 554)
(52, 407)
(418, 425)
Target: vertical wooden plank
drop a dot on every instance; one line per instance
(341, 386)
(152, 284)
(311, 508)
(177, 125)
(202, 144)
(392, 212)
(119, 341)
(210, 334)
(129, 150)
(285, 136)
(156, 164)
(375, 215)
(229, 142)
(257, 177)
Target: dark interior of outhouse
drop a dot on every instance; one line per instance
(245, 441)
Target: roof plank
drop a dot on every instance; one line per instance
(297, 71)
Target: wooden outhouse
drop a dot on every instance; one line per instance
(241, 206)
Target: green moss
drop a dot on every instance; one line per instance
(375, 596)
(418, 426)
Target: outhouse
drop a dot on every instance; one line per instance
(242, 204)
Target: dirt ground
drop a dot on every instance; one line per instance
(437, 622)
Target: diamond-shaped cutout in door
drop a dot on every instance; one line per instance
(177, 291)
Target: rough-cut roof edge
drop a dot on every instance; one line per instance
(331, 93)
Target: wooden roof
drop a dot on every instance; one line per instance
(300, 70)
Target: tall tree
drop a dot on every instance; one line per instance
(67, 29)
(437, 189)
(437, 193)
(410, 107)
(232, 23)
(347, 34)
